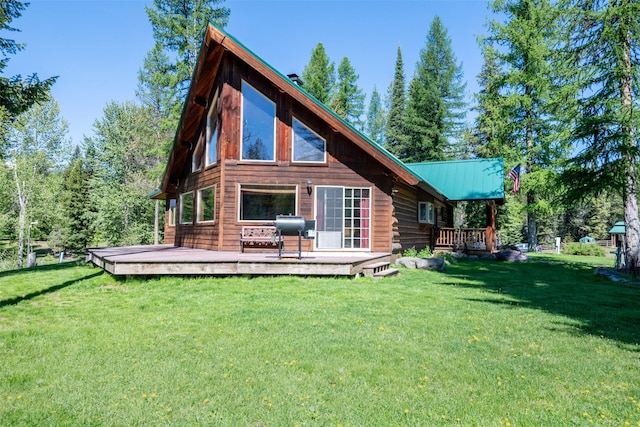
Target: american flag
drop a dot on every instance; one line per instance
(514, 174)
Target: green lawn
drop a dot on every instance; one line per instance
(542, 343)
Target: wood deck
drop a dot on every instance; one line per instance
(172, 260)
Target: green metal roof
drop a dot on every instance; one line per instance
(459, 180)
(618, 228)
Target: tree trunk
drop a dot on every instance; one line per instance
(22, 216)
(532, 221)
(630, 194)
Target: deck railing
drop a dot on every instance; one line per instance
(461, 238)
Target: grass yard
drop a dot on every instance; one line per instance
(542, 343)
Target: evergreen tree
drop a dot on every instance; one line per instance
(179, 26)
(78, 230)
(437, 89)
(17, 94)
(490, 130)
(375, 125)
(395, 133)
(348, 98)
(603, 46)
(318, 76)
(522, 45)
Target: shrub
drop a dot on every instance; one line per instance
(586, 249)
(413, 253)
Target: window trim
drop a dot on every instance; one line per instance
(295, 191)
(293, 144)
(182, 195)
(275, 156)
(200, 204)
(429, 209)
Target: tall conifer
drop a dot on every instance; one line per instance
(348, 98)
(603, 47)
(395, 132)
(436, 107)
(375, 124)
(318, 76)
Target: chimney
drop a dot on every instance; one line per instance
(295, 78)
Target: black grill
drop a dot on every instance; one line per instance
(290, 225)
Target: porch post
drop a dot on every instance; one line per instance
(491, 225)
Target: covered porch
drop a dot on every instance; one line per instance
(465, 240)
(461, 181)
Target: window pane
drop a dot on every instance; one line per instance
(172, 212)
(198, 155)
(206, 204)
(307, 145)
(258, 125)
(213, 124)
(258, 202)
(186, 208)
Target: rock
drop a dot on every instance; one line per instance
(430, 264)
(511, 256)
(408, 262)
(421, 263)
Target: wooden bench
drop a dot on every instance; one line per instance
(259, 236)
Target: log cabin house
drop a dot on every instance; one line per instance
(253, 144)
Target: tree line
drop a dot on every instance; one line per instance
(558, 95)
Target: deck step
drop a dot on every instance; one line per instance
(378, 269)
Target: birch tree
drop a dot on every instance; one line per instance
(37, 147)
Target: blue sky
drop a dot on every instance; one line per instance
(96, 47)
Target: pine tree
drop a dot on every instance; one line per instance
(318, 76)
(602, 44)
(527, 97)
(437, 89)
(179, 26)
(348, 98)
(76, 202)
(490, 130)
(375, 125)
(17, 94)
(395, 133)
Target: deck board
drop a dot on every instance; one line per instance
(172, 260)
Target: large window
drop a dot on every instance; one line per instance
(206, 204)
(264, 202)
(426, 213)
(213, 129)
(307, 145)
(186, 208)
(258, 125)
(172, 212)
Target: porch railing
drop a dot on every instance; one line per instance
(461, 239)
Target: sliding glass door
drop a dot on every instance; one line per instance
(343, 217)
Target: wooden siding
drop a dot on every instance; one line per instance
(411, 233)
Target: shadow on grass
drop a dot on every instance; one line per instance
(591, 304)
(50, 289)
(47, 267)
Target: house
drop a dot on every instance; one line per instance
(253, 144)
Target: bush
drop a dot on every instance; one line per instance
(413, 253)
(586, 249)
